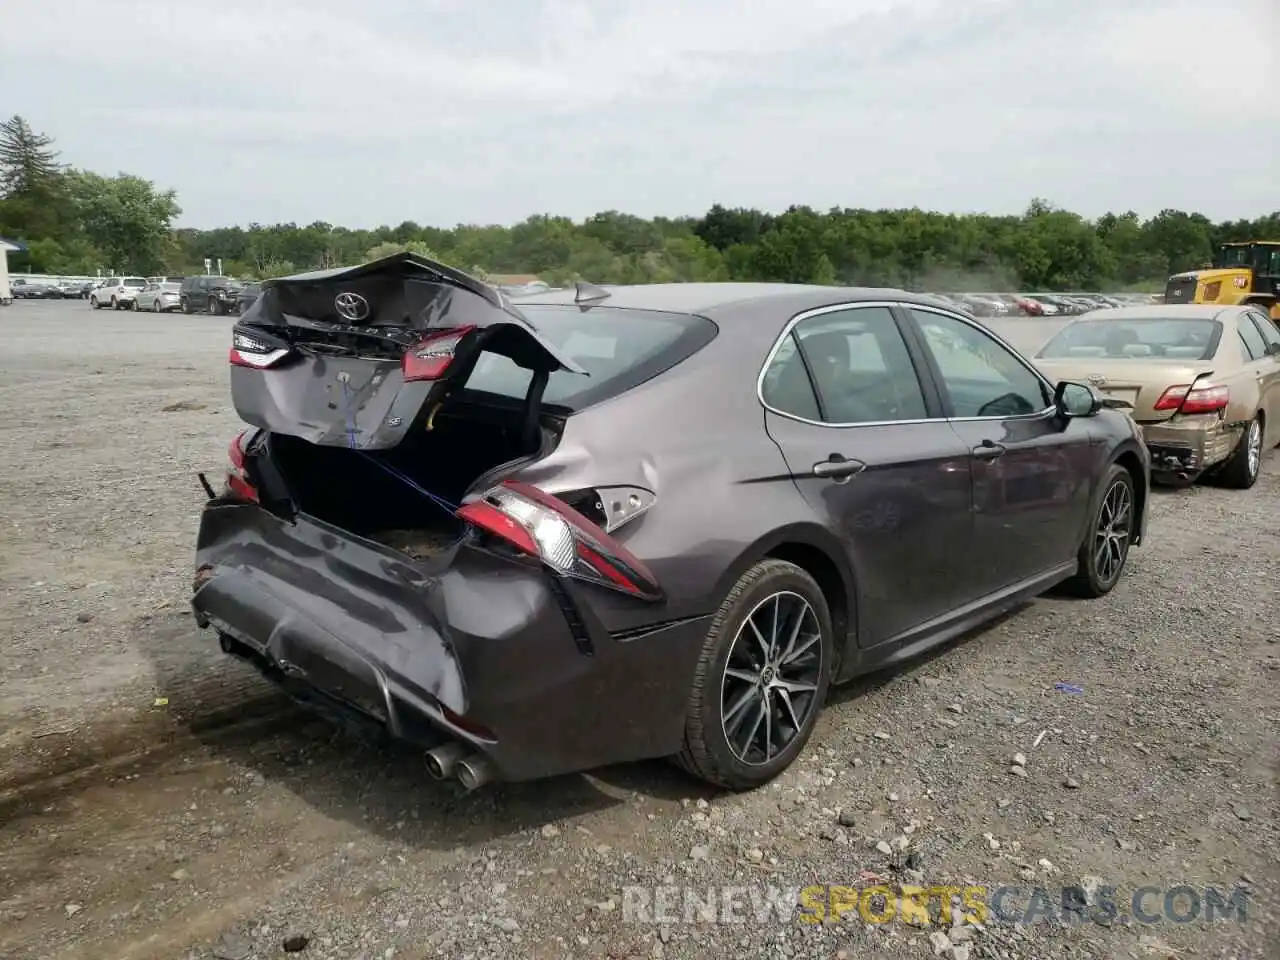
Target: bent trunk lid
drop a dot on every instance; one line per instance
(1140, 383)
(321, 355)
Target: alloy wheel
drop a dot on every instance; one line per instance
(1111, 538)
(769, 687)
(1254, 440)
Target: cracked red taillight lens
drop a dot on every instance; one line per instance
(431, 356)
(543, 526)
(238, 483)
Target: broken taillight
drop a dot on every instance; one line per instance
(542, 526)
(1199, 400)
(430, 357)
(256, 352)
(238, 483)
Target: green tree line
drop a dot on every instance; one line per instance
(76, 221)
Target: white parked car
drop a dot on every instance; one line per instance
(118, 293)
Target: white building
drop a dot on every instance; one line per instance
(7, 247)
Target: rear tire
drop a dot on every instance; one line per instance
(750, 713)
(1105, 550)
(1242, 468)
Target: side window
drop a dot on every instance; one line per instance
(861, 367)
(1253, 341)
(980, 376)
(1270, 335)
(786, 386)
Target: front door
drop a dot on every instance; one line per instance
(1032, 470)
(870, 452)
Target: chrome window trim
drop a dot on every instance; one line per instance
(890, 304)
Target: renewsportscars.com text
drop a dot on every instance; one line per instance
(926, 905)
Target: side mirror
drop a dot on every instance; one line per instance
(1076, 399)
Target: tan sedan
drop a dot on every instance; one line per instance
(1203, 381)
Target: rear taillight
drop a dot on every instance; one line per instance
(238, 483)
(542, 526)
(430, 357)
(1199, 400)
(247, 351)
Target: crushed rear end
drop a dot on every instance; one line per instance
(374, 550)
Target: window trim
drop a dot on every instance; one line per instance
(1243, 322)
(1265, 326)
(1017, 355)
(927, 390)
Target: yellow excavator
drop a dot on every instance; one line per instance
(1247, 272)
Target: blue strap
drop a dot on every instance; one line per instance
(441, 502)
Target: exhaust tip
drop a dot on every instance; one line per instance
(442, 760)
(474, 772)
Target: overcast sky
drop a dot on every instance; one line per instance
(361, 112)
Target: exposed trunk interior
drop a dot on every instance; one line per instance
(353, 489)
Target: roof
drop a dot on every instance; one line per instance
(12, 246)
(704, 298)
(1161, 311)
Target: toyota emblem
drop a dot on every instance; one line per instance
(1097, 380)
(351, 306)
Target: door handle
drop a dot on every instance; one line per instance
(988, 450)
(836, 467)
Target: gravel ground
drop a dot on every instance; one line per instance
(158, 801)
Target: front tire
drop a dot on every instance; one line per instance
(1243, 467)
(93, 302)
(761, 680)
(1105, 550)
(115, 304)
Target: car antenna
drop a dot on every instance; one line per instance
(588, 292)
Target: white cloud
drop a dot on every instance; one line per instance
(384, 110)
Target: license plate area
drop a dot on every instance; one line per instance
(1128, 396)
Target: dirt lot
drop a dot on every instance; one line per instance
(157, 801)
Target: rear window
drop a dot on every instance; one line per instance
(134, 282)
(619, 349)
(1120, 339)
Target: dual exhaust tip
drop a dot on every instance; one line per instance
(472, 770)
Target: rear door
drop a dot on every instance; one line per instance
(1032, 471)
(1265, 366)
(864, 440)
(357, 356)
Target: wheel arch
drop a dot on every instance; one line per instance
(820, 554)
(1127, 456)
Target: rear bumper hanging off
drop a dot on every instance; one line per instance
(480, 651)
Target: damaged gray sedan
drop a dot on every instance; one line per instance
(656, 521)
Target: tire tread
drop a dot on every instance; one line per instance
(695, 757)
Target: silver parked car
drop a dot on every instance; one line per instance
(158, 297)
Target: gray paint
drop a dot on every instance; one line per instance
(928, 540)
